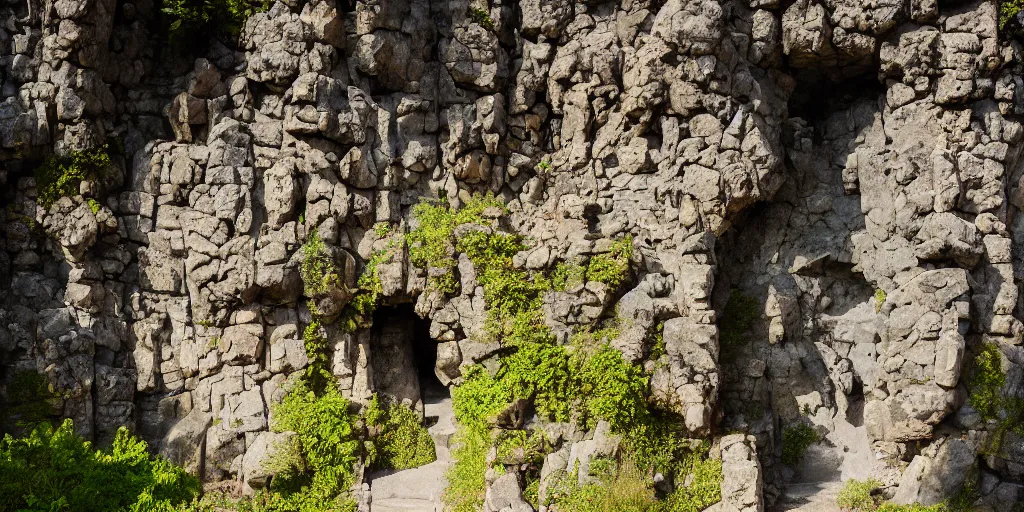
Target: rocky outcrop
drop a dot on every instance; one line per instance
(852, 168)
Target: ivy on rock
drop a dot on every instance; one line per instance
(584, 381)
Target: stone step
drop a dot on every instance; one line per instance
(402, 505)
(422, 483)
(810, 497)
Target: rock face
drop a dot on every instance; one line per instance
(852, 168)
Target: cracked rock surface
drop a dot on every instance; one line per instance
(853, 169)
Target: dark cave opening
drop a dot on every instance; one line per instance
(815, 99)
(405, 355)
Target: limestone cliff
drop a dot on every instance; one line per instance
(821, 200)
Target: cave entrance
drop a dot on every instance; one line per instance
(404, 356)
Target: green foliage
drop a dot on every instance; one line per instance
(56, 470)
(59, 177)
(624, 490)
(381, 230)
(359, 311)
(481, 17)
(403, 442)
(892, 507)
(432, 242)
(319, 271)
(584, 382)
(325, 427)
(612, 267)
(466, 477)
(962, 501)
(704, 490)
(1008, 12)
(187, 19)
(856, 495)
(656, 340)
(318, 374)
(627, 488)
(737, 317)
(795, 441)
(27, 401)
(567, 276)
(879, 299)
(986, 382)
(94, 205)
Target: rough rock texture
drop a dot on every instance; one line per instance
(853, 167)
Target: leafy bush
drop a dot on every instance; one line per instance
(403, 442)
(795, 441)
(466, 477)
(59, 177)
(330, 443)
(318, 374)
(985, 382)
(1009, 10)
(432, 242)
(318, 270)
(624, 490)
(187, 19)
(567, 276)
(481, 17)
(55, 470)
(611, 267)
(627, 488)
(585, 382)
(856, 495)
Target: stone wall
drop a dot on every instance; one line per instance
(177, 305)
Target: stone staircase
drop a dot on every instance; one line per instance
(419, 489)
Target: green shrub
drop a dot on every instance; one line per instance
(191, 19)
(359, 312)
(626, 487)
(656, 341)
(795, 441)
(466, 476)
(612, 267)
(856, 495)
(585, 382)
(51, 470)
(568, 275)
(985, 382)
(59, 177)
(318, 374)
(325, 427)
(1008, 12)
(403, 442)
(481, 17)
(737, 317)
(916, 507)
(318, 270)
(432, 242)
